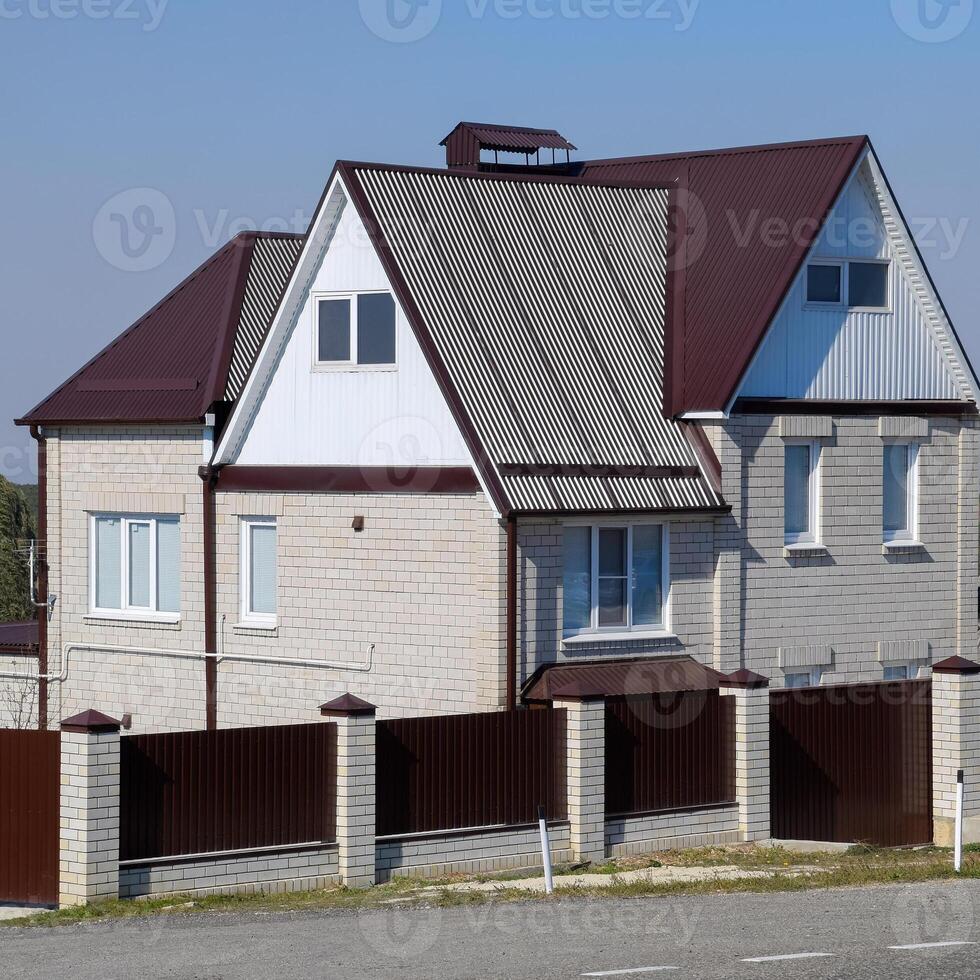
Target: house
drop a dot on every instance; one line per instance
(485, 422)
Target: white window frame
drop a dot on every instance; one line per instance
(351, 364)
(596, 632)
(845, 285)
(248, 617)
(127, 610)
(911, 671)
(813, 674)
(811, 538)
(909, 535)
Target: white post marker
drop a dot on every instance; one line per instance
(958, 848)
(549, 880)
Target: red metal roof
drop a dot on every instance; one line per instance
(513, 139)
(172, 364)
(619, 678)
(19, 637)
(736, 275)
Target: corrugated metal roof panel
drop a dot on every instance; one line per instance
(754, 214)
(516, 139)
(18, 637)
(546, 303)
(619, 678)
(169, 366)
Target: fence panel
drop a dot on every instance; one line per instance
(463, 771)
(669, 752)
(852, 763)
(30, 781)
(230, 790)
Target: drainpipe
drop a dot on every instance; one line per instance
(209, 477)
(511, 613)
(42, 576)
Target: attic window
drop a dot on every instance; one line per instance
(823, 283)
(853, 283)
(355, 330)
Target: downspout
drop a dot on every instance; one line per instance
(511, 613)
(209, 477)
(42, 577)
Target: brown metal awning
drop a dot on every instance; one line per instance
(619, 678)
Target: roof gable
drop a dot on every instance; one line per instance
(173, 363)
(751, 216)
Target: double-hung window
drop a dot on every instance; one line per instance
(135, 566)
(355, 330)
(616, 578)
(900, 477)
(259, 571)
(801, 493)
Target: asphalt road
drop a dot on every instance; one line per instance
(697, 937)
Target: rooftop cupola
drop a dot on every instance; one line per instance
(467, 143)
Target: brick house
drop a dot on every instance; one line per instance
(485, 421)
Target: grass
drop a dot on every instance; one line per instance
(791, 872)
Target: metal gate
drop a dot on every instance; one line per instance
(29, 816)
(852, 764)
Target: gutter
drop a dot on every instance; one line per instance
(511, 627)
(42, 576)
(209, 476)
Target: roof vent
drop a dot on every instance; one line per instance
(466, 144)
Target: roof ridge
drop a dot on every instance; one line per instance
(726, 150)
(133, 327)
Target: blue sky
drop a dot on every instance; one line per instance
(234, 111)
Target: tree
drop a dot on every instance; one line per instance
(17, 530)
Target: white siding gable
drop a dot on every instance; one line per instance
(907, 352)
(308, 417)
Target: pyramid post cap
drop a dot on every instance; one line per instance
(347, 706)
(956, 665)
(746, 679)
(90, 722)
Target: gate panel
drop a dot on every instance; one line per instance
(853, 763)
(30, 804)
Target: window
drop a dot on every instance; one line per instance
(900, 491)
(258, 576)
(135, 565)
(803, 678)
(853, 283)
(898, 672)
(615, 578)
(801, 493)
(867, 285)
(356, 330)
(823, 283)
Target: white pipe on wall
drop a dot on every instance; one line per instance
(70, 648)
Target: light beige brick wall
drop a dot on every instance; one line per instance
(752, 761)
(423, 582)
(124, 470)
(89, 864)
(672, 831)
(18, 698)
(585, 755)
(356, 737)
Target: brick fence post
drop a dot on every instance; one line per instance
(955, 746)
(89, 865)
(751, 694)
(586, 775)
(356, 737)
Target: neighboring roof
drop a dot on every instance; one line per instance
(620, 678)
(513, 139)
(545, 302)
(736, 274)
(19, 637)
(183, 356)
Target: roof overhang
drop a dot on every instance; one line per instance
(596, 679)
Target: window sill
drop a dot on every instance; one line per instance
(803, 548)
(624, 636)
(133, 619)
(898, 547)
(325, 368)
(248, 626)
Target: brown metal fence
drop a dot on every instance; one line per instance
(29, 816)
(853, 763)
(669, 752)
(229, 790)
(464, 771)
